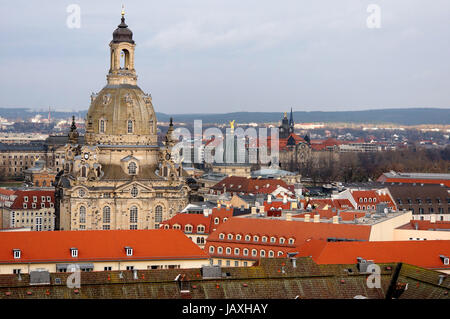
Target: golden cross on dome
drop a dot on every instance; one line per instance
(123, 10)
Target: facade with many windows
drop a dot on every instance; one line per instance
(121, 178)
(30, 209)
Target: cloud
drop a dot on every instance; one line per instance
(191, 35)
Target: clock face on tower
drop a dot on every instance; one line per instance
(86, 156)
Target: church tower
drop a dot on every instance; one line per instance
(121, 178)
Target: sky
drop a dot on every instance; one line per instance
(217, 56)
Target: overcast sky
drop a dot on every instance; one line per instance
(210, 56)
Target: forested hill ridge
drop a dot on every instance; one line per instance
(407, 116)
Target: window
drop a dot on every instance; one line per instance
(38, 223)
(291, 241)
(216, 220)
(236, 251)
(200, 229)
(271, 253)
(262, 253)
(221, 236)
(219, 250)
(273, 239)
(74, 252)
(82, 214)
(228, 250)
(107, 268)
(129, 251)
(245, 251)
(130, 267)
(280, 253)
(254, 252)
(245, 264)
(16, 271)
(25, 198)
(83, 171)
(130, 126)
(188, 229)
(282, 240)
(264, 239)
(106, 227)
(247, 237)
(236, 263)
(228, 263)
(134, 191)
(106, 214)
(230, 236)
(16, 253)
(133, 214)
(102, 126)
(255, 238)
(211, 249)
(159, 214)
(132, 168)
(238, 237)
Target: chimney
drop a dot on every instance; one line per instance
(317, 218)
(288, 216)
(307, 219)
(269, 198)
(335, 219)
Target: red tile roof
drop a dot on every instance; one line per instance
(371, 194)
(194, 220)
(426, 225)
(20, 199)
(300, 231)
(97, 245)
(419, 253)
(6, 192)
(245, 185)
(385, 179)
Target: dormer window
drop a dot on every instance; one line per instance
(25, 198)
(445, 260)
(132, 168)
(42, 198)
(34, 198)
(188, 229)
(74, 252)
(25, 205)
(17, 253)
(129, 251)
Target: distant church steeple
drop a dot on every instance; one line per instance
(291, 123)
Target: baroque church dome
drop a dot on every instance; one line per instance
(121, 113)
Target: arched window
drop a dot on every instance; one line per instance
(132, 168)
(158, 214)
(133, 214)
(82, 214)
(262, 253)
(83, 171)
(245, 252)
(106, 214)
(211, 249)
(130, 126)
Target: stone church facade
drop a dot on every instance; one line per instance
(120, 178)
